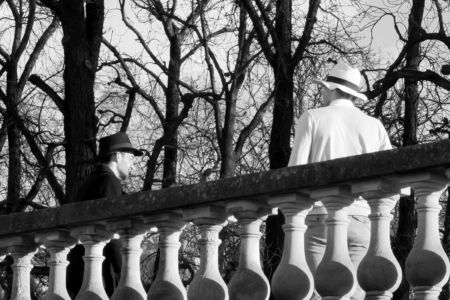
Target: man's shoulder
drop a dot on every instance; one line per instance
(99, 184)
(316, 111)
(332, 111)
(102, 174)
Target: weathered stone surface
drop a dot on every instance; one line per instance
(253, 186)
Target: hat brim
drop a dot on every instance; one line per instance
(133, 151)
(333, 86)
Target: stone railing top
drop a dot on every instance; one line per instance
(257, 186)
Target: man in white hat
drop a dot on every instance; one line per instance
(337, 129)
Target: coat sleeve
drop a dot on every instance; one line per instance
(302, 142)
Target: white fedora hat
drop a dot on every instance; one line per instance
(345, 78)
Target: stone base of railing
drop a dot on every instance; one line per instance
(380, 179)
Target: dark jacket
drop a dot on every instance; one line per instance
(100, 184)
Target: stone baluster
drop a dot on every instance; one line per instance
(94, 239)
(427, 265)
(208, 283)
(58, 244)
(131, 233)
(293, 279)
(335, 276)
(2, 257)
(167, 284)
(249, 281)
(22, 250)
(379, 273)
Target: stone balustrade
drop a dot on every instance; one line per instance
(378, 177)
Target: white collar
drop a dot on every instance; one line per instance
(341, 102)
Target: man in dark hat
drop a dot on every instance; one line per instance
(115, 161)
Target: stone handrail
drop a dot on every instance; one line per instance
(378, 177)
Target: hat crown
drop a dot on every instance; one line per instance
(344, 78)
(347, 73)
(118, 142)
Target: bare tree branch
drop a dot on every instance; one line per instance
(28, 200)
(5, 55)
(187, 25)
(133, 82)
(307, 31)
(144, 95)
(334, 46)
(441, 20)
(155, 76)
(54, 5)
(128, 111)
(3, 133)
(262, 35)
(257, 118)
(207, 38)
(51, 178)
(41, 84)
(36, 52)
(26, 36)
(187, 100)
(390, 80)
(140, 37)
(17, 26)
(2, 96)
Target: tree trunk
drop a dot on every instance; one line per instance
(283, 116)
(229, 154)
(279, 151)
(172, 103)
(407, 222)
(14, 143)
(81, 42)
(228, 162)
(3, 133)
(283, 111)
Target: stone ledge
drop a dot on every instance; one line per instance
(253, 186)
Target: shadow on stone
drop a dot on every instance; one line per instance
(333, 279)
(377, 274)
(290, 282)
(425, 268)
(88, 296)
(247, 284)
(53, 297)
(206, 289)
(127, 293)
(162, 289)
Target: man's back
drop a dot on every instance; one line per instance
(335, 131)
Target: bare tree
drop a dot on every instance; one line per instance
(406, 84)
(274, 35)
(82, 25)
(24, 16)
(176, 31)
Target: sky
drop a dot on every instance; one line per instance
(384, 37)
